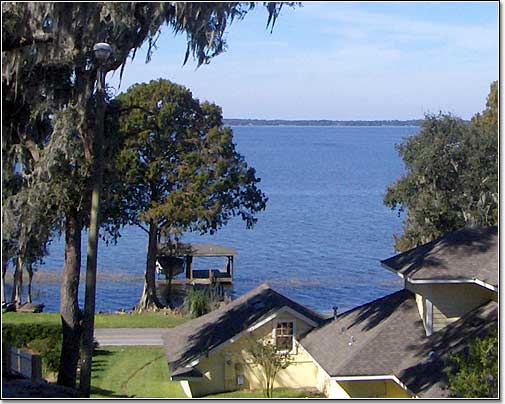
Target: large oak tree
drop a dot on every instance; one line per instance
(451, 178)
(178, 169)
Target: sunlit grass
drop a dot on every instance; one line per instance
(143, 320)
(132, 372)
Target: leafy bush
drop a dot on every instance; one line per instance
(49, 350)
(43, 338)
(19, 335)
(474, 372)
(197, 302)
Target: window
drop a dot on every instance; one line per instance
(284, 335)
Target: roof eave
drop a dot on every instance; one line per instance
(440, 281)
(396, 271)
(391, 377)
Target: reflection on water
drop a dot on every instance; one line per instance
(320, 239)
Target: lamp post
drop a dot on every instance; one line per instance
(102, 53)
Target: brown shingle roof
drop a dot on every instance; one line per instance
(465, 254)
(386, 337)
(187, 342)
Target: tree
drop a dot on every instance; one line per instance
(451, 178)
(178, 169)
(271, 359)
(27, 230)
(474, 372)
(48, 71)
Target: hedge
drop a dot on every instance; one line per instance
(43, 338)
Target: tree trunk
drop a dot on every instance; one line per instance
(17, 282)
(88, 322)
(69, 302)
(29, 269)
(149, 299)
(4, 271)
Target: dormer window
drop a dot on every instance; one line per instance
(284, 335)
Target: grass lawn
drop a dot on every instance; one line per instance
(278, 393)
(143, 372)
(143, 320)
(132, 372)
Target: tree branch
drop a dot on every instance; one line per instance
(21, 41)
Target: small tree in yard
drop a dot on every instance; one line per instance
(474, 373)
(271, 358)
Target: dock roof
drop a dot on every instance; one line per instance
(466, 254)
(196, 250)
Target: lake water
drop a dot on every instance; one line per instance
(320, 239)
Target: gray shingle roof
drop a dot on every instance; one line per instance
(386, 337)
(465, 254)
(427, 378)
(369, 339)
(189, 341)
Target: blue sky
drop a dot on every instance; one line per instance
(350, 60)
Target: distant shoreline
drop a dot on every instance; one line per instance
(322, 122)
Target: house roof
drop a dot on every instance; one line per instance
(189, 341)
(196, 250)
(369, 339)
(387, 337)
(427, 378)
(466, 254)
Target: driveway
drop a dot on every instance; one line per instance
(129, 336)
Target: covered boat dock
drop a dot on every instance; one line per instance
(183, 254)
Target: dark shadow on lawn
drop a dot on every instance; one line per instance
(106, 393)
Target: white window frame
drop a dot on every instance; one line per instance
(274, 333)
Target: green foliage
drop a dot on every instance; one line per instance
(451, 178)
(271, 358)
(43, 338)
(19, 335)
(50, 350)
(177, 169)
(474, 373)
(178, 166)
(197, 302)
(200, 301)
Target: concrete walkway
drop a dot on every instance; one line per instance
(129, 336)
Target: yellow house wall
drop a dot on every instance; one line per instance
(450, 301)
(420, 301)
(335, 390)
(221, 368)
(373, 389)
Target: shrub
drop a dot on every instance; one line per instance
(474, 372)
(49, 350)
(45, 339)
(197, 302)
